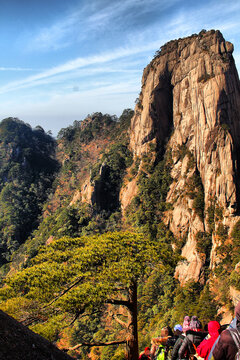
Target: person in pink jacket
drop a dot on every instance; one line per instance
(205, 347)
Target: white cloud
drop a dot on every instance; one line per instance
(91, 17)
(51, 38)
(2, 68)
(76, 64)
(181, 24)
(116, 9)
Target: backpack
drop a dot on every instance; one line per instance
(196, 356)
(236, 338)
(160, 353)
(232, 325)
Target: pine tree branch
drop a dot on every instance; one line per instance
(118, 302)
(62, 293)
(82, 315)
(29, 320)
(96, 344)
(126, 325)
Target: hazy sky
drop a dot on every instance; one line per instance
(63, 59)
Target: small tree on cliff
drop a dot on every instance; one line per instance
(84, 274)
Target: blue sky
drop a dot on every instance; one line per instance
(63, 59)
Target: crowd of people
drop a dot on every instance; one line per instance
(191, 341)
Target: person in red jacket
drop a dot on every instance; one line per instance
(205, 347)
(145, 355)
(226, 348)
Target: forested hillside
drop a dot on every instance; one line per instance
(27, 169)
(84, 150)
(95, 153)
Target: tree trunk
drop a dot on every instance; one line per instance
(132, 341)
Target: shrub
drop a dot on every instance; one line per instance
(204, 242)
(205, 77)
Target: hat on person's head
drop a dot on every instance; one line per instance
(178, 327)
(237, 311)
(213, 328)
(186, 323)
(195, 324)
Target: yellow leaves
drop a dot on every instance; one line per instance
(99, 265)
(18, 307)
(80, 276)
(40, 281)
(51, 329)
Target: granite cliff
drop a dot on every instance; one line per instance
(190, 103)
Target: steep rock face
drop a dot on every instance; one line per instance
(127, 193)
(17, 342)
(190, 101)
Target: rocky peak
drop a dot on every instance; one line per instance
(190, 102)
(198, 58)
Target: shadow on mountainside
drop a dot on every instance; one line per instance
(17, 342)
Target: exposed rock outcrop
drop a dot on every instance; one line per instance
(17, 342)
(127, 193)
(190, 102)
